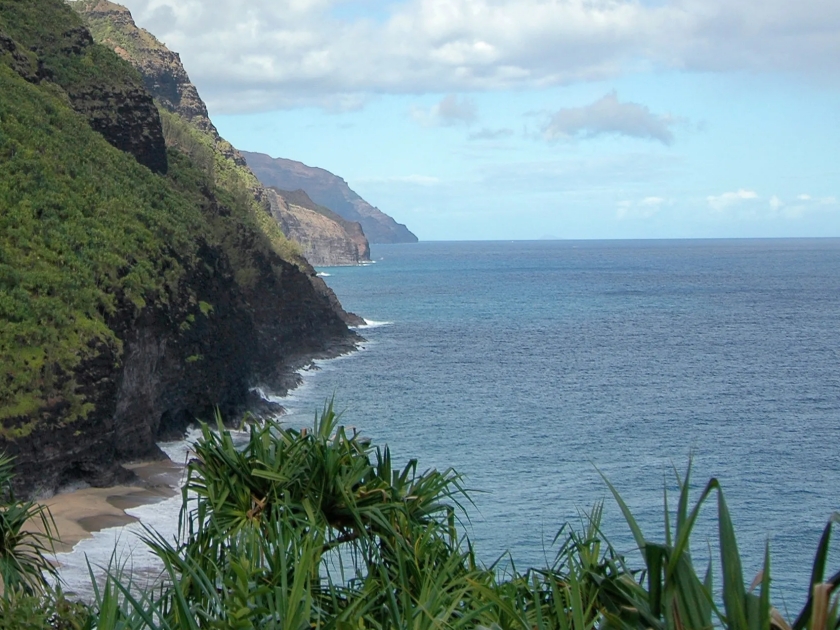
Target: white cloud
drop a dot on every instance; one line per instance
(450, 111)
(804, 206)
(721, 202)
(609, 116)
(643, 209)
(820, 201)
(283, 53)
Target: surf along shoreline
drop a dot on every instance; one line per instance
(78, 513)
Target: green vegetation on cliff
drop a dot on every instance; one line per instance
(55, 36)
(86, 232)
(184, 118)
(82, 225)
(235, 184)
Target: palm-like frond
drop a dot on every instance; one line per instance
(23, 550)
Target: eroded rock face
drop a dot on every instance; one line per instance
(119, 108)
(331, 191)
(165, 77)
(129, 121)
(161, 69)
(169, 374)
(172, 373)
(326, 240)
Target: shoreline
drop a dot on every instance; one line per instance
(79, 513)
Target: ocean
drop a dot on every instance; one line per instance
(531, 366)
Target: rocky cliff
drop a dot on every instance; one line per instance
(323, 240)
(326, 238)
(331, 191)
(113, 101)
(139, 286)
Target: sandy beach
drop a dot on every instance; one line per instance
(80, 512)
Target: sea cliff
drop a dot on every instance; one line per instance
(139, 285)
(326, 238)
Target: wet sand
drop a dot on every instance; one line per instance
(80, 512)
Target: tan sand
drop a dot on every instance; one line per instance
(79, 513)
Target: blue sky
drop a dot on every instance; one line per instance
(527, 119)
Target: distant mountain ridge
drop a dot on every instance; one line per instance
(328, 190)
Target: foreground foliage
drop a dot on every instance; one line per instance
(24, 566)
(317, 529)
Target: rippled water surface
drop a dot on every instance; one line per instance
(526, 365)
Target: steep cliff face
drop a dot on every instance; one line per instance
(132, 300)
(331, 191)
(63, 54)
(326, 238)
(161, 69)
(322, 240)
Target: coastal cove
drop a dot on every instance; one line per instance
(529, 366)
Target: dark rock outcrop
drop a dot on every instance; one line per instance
(17, 59)
(325, 240)
(168, 373)
(331, 191)
(114, 103)
(161, 70)
(129, 121)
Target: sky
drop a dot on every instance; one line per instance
(530, 119)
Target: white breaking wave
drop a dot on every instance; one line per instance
(180, 451)
(323, 274)
(117, 547)
(123, 546)
(371, 323)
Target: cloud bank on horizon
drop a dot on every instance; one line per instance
(516, 118)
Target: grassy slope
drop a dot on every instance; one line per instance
(84, 227)
(43, 26)
(81, 223)
(238, 182)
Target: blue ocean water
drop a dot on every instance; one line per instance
(529, 366)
